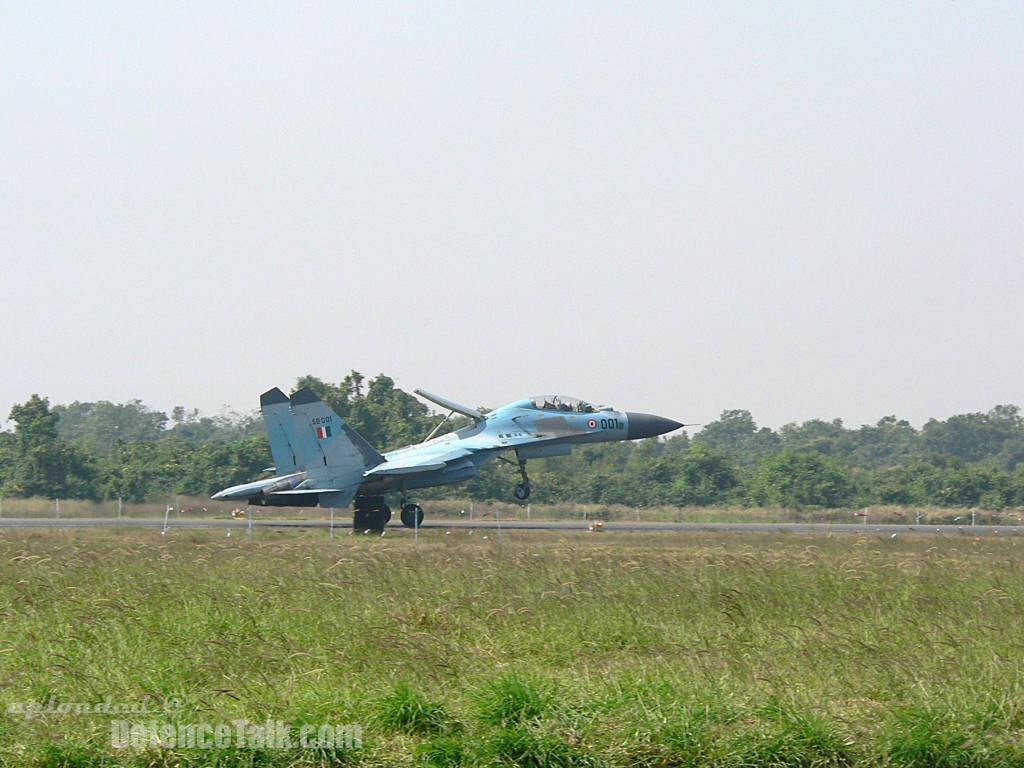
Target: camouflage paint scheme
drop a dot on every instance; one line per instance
(320, 459)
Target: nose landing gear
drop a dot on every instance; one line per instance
(522, 490)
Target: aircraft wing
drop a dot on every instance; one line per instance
(329, 497)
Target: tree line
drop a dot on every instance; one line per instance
(103, 450)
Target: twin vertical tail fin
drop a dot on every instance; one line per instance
(327, 441)
(281, 433)
(306, 436)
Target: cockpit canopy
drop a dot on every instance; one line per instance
(561, 403)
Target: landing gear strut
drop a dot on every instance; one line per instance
(370, 513)
(522, 490)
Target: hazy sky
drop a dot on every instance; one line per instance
(809, 210)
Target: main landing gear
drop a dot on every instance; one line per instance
(412, 515)
(370, 513)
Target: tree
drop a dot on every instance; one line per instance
(900, 484)
(791, 479)
(190, 426)
(43, 463)
(891, 441)
(218, 465)
(974, 436)
(704, 477)
(736, 435)
(8, 457)
(140, 471)
(102, 425)
(36, 424)
(816, 436)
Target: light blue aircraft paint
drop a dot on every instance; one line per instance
(320, 459)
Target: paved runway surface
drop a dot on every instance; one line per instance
(557, 525)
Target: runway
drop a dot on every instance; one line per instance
(821, 529)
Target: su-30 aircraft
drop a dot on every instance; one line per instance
(319, 459)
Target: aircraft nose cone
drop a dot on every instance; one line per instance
(642, 425)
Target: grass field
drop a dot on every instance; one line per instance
(539, 649)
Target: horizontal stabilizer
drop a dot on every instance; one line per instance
(328, 497)
(304, 491)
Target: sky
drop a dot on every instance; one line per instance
(804, 210)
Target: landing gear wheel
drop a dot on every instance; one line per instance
(371, 514)
(374, 519)
(412, 515)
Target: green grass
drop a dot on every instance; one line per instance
(404, 710)
(545, 649)
(510, 699)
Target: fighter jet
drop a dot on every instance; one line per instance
(320, 459)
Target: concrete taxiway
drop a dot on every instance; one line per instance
(538, 525)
